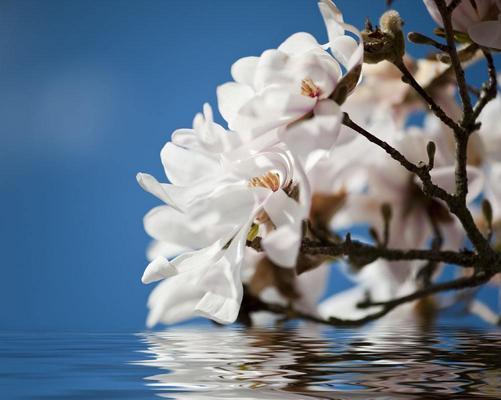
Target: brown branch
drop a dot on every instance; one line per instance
(446, 12)
(422, 172)
(354, 248)
(434, 107)
(255, 304)
(456, 284)
(489, 89)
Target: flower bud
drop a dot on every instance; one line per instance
(487, 211)
(386, 42)
(431, 149)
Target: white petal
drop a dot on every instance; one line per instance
(274, 106)
(282, 245)
(298, 43)
(159, 268)
(487, 33)
(218, 308)
(284, 210)
(184, 167)
(310, 139)
(172, 301)
(151, 185)
(163, 249)
(168, 225)
(231, 97)
(244, 69)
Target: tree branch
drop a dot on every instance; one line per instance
(434, 107)
(422, 172)
(456, 284)
(489, 89)
(446, 12)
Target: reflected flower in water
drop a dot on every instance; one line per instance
(382, 361)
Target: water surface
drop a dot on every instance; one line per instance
(306, 362)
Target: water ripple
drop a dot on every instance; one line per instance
(306, 362)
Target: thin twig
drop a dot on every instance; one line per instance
(489, 89)
(421, 171)
(445, 12)
(456, 284)
(434, 107)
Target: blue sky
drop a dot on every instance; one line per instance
(90, 92)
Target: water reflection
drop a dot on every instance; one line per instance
(312, 362)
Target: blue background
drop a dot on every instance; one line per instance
(89, 93)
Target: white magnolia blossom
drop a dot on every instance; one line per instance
(288, 94)
(480, 19)
(212, 205)
(286, 166)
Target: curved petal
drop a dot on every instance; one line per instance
(172, 301)
(487, 33)
(231, 96)
(159, 268)
(298, 43)
(167, 224)
(282, 244)
(184, 167)
(157, 189)
(244, 70)
(311, 138)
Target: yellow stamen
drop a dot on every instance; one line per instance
(308, 88)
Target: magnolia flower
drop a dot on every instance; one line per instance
(289, 94)
(213, 206)
(480, 19)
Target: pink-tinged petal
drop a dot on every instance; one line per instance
(159, 268)
(487, 33)
(184, 167)
(312, 138)
(244, 70)
(231, 97)
(298, 43)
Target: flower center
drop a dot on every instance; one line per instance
(270, 180)
(308, 88)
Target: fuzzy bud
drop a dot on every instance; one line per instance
(385, 42)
